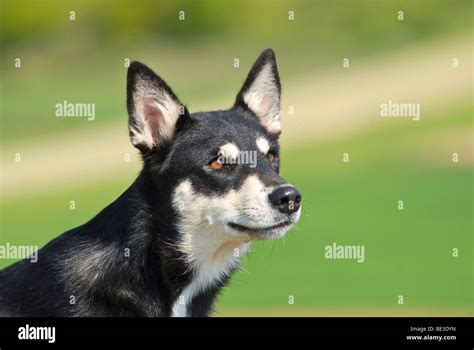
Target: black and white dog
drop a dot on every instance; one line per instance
(209, 186)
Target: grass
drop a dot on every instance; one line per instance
(407, 252)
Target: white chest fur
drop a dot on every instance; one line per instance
(209, 272)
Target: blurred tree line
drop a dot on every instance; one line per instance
(343, 21)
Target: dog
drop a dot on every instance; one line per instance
(171, 241)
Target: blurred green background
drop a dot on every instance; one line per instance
(328, 109)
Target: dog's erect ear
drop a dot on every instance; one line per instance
(153, 108)
(261, 91)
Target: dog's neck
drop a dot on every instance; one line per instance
(186, 268)
(209, 251)
(212, 259)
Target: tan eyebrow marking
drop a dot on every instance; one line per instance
(229, 151)
(263, 144)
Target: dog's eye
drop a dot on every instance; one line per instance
(271, 156)
(217, 163)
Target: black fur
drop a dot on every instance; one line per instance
(89, 264)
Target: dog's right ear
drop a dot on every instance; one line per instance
(153, 108)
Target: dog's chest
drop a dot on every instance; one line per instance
(208, 276)
(183, 305)
(204, 282)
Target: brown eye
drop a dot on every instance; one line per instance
(271, 157)
(217, 163)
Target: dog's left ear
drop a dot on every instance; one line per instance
(153, 108)
(261, 92)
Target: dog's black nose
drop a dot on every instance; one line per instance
(286, 198)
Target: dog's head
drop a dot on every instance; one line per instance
(222, 167)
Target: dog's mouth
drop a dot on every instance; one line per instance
(262, 232)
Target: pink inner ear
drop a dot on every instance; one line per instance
(152, 117)
(265, 106)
